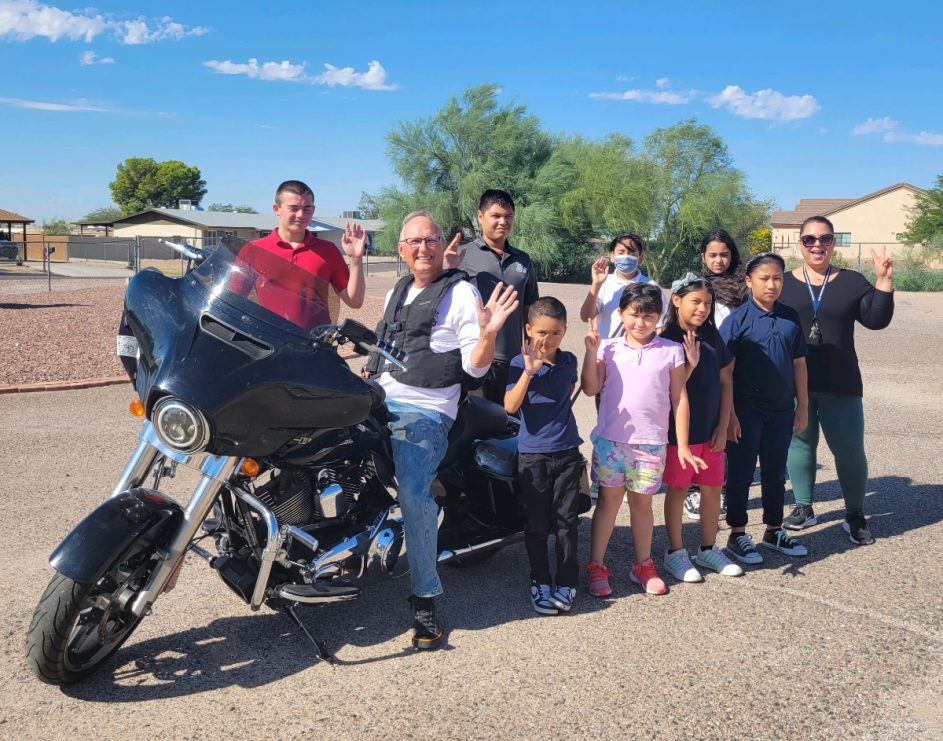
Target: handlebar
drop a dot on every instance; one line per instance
(364, 340)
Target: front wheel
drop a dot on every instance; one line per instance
(76, 627)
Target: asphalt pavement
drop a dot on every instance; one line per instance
(846, 643)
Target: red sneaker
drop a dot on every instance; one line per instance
(598, 577)
(644, 575)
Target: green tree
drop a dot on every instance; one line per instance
(142, 182)
(926, 218)
(103, 214)
(56, 228)
(368, 206)
(229, 208)
(445, 163)
(694, 188)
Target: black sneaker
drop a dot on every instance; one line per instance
(801, 517)
(740, 546)
(780, 540)
(857, 528)
(692, 503)
(427, 634)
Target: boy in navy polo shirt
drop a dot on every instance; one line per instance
(540, 382)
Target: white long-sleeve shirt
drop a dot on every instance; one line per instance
(455, 327)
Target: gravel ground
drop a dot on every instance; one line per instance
(69, 334)
(846, 643)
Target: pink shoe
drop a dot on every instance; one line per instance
(598, 577)
(644, 575)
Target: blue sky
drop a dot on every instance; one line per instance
(812, 99)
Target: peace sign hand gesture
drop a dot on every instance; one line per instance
(453, 258)
(592, 336)
(883, 270)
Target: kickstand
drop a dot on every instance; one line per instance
(319, 646)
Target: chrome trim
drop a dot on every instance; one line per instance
(140, 462)
(314, 600)
(333, 501)
(446, 556)
(216, 469)
(199, 418)
(274, 539)
(340, 552)
(308, 541)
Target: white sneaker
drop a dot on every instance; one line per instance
(678, 563)
(563, 598)
(716, 560)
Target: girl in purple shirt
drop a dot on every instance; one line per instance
(641, 377)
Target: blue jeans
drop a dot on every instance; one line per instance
(420, 437)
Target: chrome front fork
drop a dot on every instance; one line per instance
(215, 471)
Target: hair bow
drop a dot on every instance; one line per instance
(685, 280)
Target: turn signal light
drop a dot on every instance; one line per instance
(249, 467)
(136, 408)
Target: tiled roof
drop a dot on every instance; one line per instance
(826, 206)
(14, 218)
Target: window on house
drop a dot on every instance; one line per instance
(843, 239)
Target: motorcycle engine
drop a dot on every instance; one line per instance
(290, 496)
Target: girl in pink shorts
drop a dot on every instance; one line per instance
(640, 377)
(710, 394)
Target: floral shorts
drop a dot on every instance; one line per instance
(638, 468)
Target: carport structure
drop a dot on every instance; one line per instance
(8, 219)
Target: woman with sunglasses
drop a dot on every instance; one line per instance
(829, 301)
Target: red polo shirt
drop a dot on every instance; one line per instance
(298, 295)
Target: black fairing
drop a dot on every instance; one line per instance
(259, 379)
(105, 534)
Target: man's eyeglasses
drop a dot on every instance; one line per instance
(420, 241)
(809, 240)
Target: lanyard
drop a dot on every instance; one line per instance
(816, 301)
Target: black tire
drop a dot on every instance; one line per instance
(77, 627)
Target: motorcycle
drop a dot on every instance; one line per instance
(238, 376)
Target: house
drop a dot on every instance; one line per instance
(872, 221)
(207, 227)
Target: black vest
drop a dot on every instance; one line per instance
(412, 331)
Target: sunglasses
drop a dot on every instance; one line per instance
(809, 240)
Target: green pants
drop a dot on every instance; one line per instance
(842, 420)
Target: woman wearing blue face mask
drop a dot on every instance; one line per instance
(602, 301)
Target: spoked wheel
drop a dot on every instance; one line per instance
(76, 627)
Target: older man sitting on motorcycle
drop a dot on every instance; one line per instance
(439, 319)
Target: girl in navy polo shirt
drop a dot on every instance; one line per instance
(770, 401)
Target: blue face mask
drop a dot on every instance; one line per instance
(625, 264)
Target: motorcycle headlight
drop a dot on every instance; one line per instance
(180, 426)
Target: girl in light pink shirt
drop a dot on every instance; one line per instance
(641, 378)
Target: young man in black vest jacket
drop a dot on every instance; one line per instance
(438, 317)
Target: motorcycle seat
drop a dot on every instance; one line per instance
(478, 419)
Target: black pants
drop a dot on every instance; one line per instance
(550, 488)
(492, 384)
(766, 436)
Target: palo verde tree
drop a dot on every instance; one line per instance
(926, 218)
(105, 214)
(230, 209)
(142, 182)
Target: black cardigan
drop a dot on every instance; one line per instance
(833, 364)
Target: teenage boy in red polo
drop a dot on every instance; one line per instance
(302, 298)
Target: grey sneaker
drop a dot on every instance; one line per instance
(715, 560)
(857, 528)
(563, 598)
(780, 540)
(740, 546)
(800, 518)
(540, 598)
(692, 504)
(678, 563)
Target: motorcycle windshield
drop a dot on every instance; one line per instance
(279, 279)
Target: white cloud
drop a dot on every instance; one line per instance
(662, 82)
(41, 105)
(768, 105)
(624, 78)
(669, 97)
(875, 126)
(90, 57)
(373, 79)
(891, 133)
(22, 20)
(284, 70)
